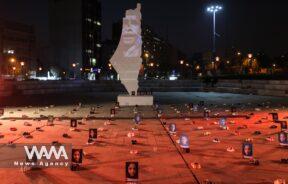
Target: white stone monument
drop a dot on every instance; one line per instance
(127, 59)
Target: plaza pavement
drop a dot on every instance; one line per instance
(160, 158)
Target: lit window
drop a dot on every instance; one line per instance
(93, 61)
(98, 23)
(89, 51)
(88, 19)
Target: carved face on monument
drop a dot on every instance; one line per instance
(131, 35)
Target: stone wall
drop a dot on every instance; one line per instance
(54, 87)
(257, 87)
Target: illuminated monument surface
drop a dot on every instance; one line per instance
(127, 59)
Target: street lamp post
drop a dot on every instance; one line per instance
(214, 9)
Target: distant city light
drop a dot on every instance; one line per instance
(10, 51)
(12, 60)
(173, 77)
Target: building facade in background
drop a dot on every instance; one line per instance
(17, 48)
(159, 56)
(75, 36)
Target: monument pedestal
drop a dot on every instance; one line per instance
(127, 100)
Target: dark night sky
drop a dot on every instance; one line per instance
(245, 24)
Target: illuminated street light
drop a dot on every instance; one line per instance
(73, 65)
(228, 62)
(151, 64)
(238, 53)
(181, 62)
(10, 51)
(14, 68)
(22, 63)
(40, 68)
(250, 55)
(110, 66)
(146, 55)
(214, 9)
(12, 60)
(217, 58)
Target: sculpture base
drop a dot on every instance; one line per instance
(127, 100)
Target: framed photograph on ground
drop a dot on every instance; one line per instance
(137, 118)
(275, 116)
(77, 155)
(50, 119)
(282, 138)
(112, 112)
(93, 133)
(222, 123)
(184, 141)
(172, 128)
(73, 123)
(132, 171)
(247, 149)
